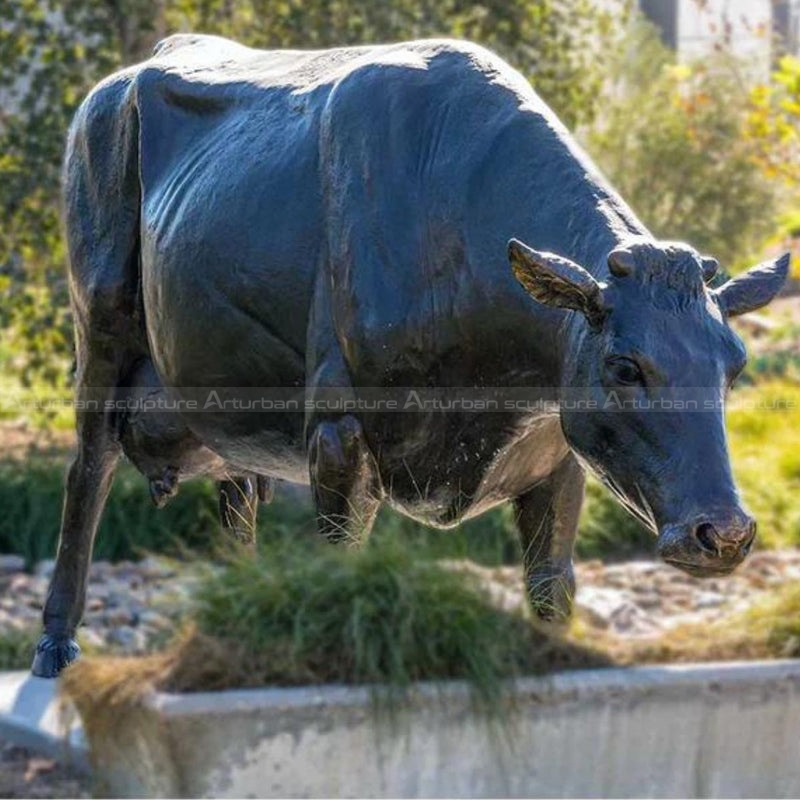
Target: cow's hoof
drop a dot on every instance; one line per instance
(550, 593)
(53, 655)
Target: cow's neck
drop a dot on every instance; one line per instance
(615, 225)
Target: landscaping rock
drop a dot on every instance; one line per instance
(133, 607)
(44, 569)
(646, 598)
(11, 564)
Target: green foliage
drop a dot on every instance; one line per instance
(791, 224)
(50, 54)
(607, 531)
(778, 364)
(774, 122)
(672, 140)
(16, 648)
(31, 499)
(376, 615)
(765, 451)
(764, 447)
(491, 539)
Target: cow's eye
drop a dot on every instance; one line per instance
(624, 372)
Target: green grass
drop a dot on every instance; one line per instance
(609, 532)
(377, 615)
(765, 451)
(765, 447)
(40, 404)
(31, 495)
(16, 649)
(380, 616)
(770, 629)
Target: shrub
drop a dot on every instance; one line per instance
(31, 497)
(675, 142)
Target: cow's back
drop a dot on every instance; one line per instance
(251, 183)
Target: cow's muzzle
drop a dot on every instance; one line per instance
(713, 544)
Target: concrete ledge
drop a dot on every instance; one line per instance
(30, 716)
(712, 730)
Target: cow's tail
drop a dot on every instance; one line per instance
(102, 208)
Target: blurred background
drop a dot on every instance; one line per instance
(690, 107)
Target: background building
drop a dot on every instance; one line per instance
(758, 29)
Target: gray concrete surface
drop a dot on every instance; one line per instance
(31, 717)
(714, 730)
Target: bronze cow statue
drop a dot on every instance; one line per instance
(342, 221)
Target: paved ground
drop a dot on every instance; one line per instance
(23, 774)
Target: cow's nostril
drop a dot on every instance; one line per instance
(706, 535)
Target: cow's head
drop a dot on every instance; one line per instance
(653, 364)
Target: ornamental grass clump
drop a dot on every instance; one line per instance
(378, 615)
(310, 613)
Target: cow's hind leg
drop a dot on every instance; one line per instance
(344, 480)
(88, 482)
(102, 218)
(547, 519)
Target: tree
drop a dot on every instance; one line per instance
(673, 139)
(50, 53)
(774, 123)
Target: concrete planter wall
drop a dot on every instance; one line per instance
(715, 730)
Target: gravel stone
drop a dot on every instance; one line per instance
(132, 608)
(45, 569)
(11, 564)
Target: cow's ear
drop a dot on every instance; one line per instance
(754, 288)
(556, 281)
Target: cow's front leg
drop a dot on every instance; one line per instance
(344, 480)
(547, 519)
(88, 483)
(238, 507)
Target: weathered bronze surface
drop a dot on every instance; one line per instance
(345, 219)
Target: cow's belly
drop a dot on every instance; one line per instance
(446, 469)
(228, 263)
